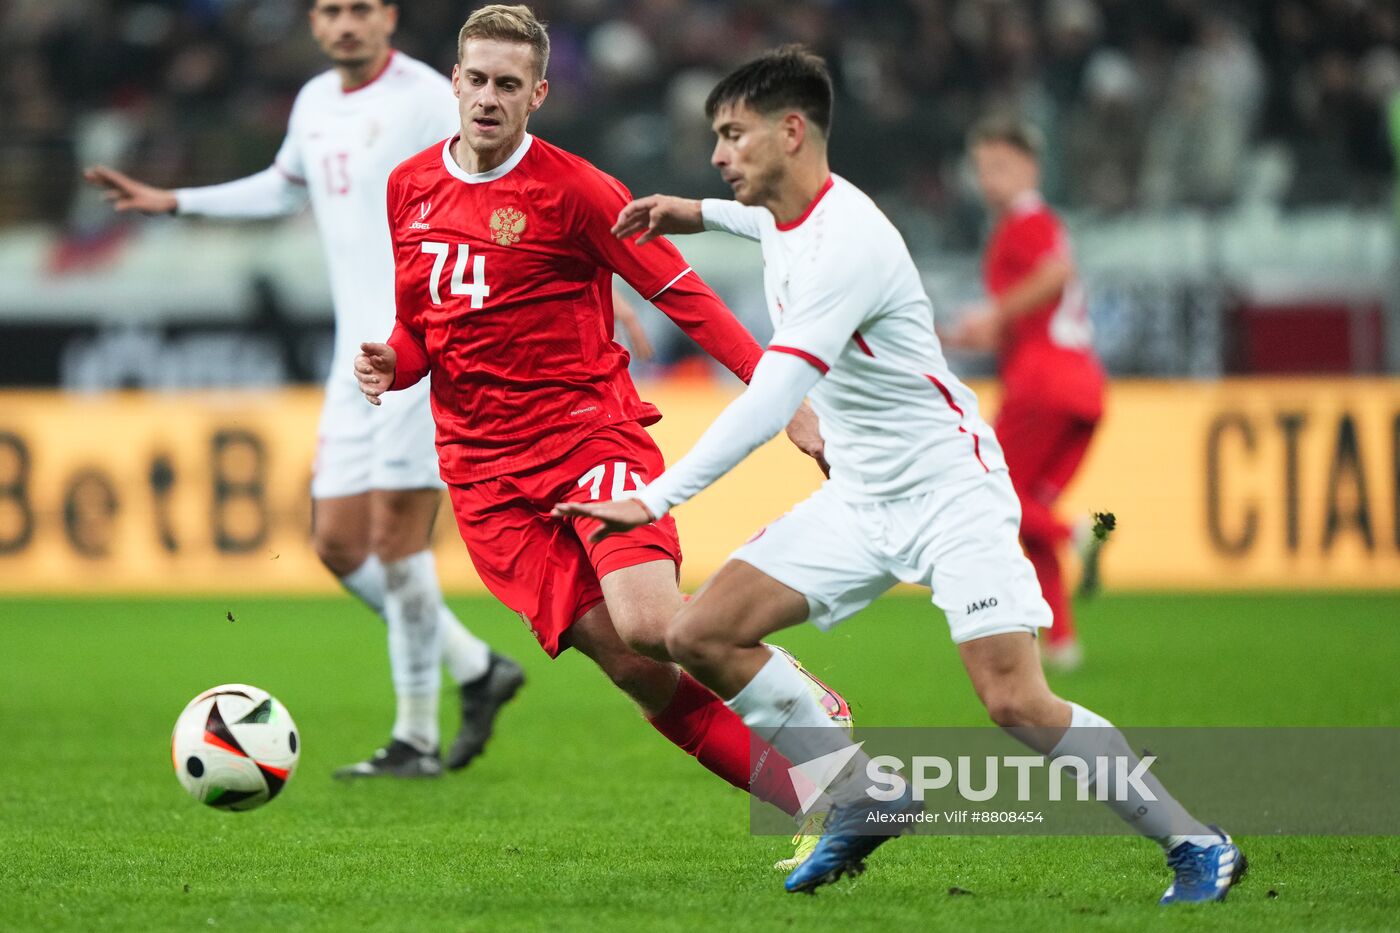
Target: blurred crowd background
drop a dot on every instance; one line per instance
(1145, 103)
(1207, 139)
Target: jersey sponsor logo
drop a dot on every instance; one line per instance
(422, 216)
(977, 606)
(507, 225)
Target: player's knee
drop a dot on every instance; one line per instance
(399, 528)
(652, 644)
(340, 555)
(1012, 705)
(1007, 707)
(642, 631)
(393, 539)
(692, 641)
(390, 543)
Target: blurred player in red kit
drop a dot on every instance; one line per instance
(1036, 320)
(504, 264)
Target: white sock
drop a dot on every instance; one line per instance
(415, 721)
(465, 656)
(1164, 820)
(411, 604)
(779, 708)
(367, 582)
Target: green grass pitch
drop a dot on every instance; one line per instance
(580, 816)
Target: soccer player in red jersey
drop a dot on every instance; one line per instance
(504, 263)
(1037, 322)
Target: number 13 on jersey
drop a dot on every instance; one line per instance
(476, 288)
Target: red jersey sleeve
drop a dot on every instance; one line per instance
(1033, 239)
(411, 363)
(698, 311)
(660, 274)
(649, 269)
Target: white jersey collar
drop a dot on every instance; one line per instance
(500, 171)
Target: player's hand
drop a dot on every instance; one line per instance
(804, 430)
(617, 515)
(658, 215)
(978, 328)
(636, 334)
(374, 370)
(127, 194)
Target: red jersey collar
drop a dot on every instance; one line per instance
(377, 75)
(800, 218)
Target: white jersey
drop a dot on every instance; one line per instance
(339, 149)
(919, 490)
(845, 296)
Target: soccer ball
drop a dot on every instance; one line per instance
(234, 747)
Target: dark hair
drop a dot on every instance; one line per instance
(1005, 128)
(786, 78)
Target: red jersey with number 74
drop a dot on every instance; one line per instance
(503, 285)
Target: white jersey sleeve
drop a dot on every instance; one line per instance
(733, 217)
(276, 191)
(832, 289)
(269, 193)
(780, 383)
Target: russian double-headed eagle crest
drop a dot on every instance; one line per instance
(507, 224)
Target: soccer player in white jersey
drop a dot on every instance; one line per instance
(376, 487)
(918, 490)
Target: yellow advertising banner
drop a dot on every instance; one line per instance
(1234, 484)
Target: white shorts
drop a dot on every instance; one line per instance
(360, 446)
(962, 542)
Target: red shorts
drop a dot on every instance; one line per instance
(1053, 379)
(546, 569)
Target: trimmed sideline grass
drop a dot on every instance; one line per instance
(581, 817)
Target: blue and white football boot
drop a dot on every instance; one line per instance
(843, 847)
(1204, 873)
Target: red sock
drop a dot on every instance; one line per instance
(700, 723)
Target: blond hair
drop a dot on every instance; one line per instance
(506, 23)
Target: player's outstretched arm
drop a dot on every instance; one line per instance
(780, 383)
(269, 193)
(982, 327)
(374, 370)
(617, 515)
(658, 215)
(127, 194)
